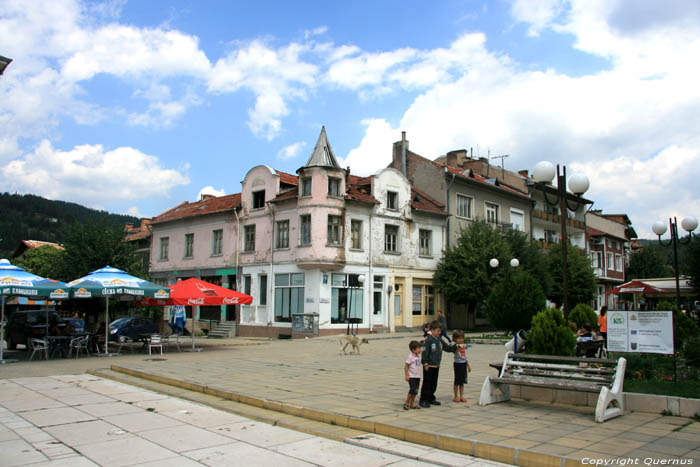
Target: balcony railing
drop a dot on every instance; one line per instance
(554, 218)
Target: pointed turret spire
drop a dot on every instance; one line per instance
(323, 154)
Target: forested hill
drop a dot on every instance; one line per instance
(30, 217)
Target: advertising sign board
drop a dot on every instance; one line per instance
(640, 331)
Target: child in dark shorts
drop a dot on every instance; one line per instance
(412, 369)
(461, 365)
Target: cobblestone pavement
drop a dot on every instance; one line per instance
(313, 374)
(83, 420)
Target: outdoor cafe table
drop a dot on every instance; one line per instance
(59, 345)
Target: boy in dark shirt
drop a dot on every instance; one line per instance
(430, 358)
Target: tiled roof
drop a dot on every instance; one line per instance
(209, 205)
(591, 232)
(470, 175)
(291, 193)
(422, 202)
(289, 179)
(360, 189)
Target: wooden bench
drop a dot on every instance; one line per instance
(598, 375)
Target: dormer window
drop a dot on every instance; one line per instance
(334, 187)
(392, 200)
(306, 186)
(259, 199)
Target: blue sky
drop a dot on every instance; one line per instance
(135, 106)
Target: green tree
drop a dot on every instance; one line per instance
(582, 281)
(463, 274)
(92, 246)
(44, 261)
(550, 334)
(514, 301)
(691, 263)
(583, 313)
(648, 262)
(531, 258)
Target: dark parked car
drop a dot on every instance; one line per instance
(132, 327)
(77, 324)
(24, 325)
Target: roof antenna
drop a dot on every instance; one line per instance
(503, 167)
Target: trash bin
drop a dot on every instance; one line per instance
(304, 324)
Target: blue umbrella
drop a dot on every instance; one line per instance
(15, 281)
(111, 282)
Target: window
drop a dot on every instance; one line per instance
(259, 199)
(249, 236)
(305, 230)
(164, 243)
(335, 231)
(392, 200)
(262, 298)
(333, 186)
(517, 220)
(189, 245)
(610, 264)
(289, 296)
(356, 233)
(282, 240)
(346, 298)
(246, 285)
(596, 258)
(492, 214)
(618, 263)
(391, 236)
(464, 206)
(306, 186)
(550, 236)
(217, 238)
(423, 302)
(424, 237)
(378, 293)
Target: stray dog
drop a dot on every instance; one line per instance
(354, 341)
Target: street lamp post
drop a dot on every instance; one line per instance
(360, 280)
(542, 174)
(514, 263)
(689, 224)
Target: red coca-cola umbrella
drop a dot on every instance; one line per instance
(196, 292)
(634, 287)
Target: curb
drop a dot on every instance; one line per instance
(481, 449)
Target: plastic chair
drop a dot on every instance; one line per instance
(38, 345)
(125, 341)
(78, 343)
(155, 342)
(174, 339)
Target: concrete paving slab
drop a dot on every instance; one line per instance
(59, 416)
(122, 452)
(109, 408)
(136, 422)
(96, 431)
(259, 434)
(72, 461)
(32, 403)
(19, 452)
(328, 452)
(203, 417)
(224, 456)
(184, 438)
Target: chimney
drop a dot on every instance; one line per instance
(524, 173)
(129, 227)
(206, 197)
(347, 179)
(457, 158)
(404, 149)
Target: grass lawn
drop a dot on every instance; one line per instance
(688, 388)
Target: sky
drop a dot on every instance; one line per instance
(135, 106)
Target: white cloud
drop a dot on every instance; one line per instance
(273, 75)
(134, 211)
(210, 190)
(162, 113)
(90, 174)
(539, 13)
(291, 151)
(374, 151)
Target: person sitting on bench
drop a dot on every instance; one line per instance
(584, 334)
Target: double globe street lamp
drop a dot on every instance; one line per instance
(543, 174)
(689, 224)
(514, 263)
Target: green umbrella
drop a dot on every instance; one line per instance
(15, 281)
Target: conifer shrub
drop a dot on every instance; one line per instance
(684, 328)
(514, 301)
(583, 313)
(550, 334)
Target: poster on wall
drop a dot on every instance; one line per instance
(640, 331)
